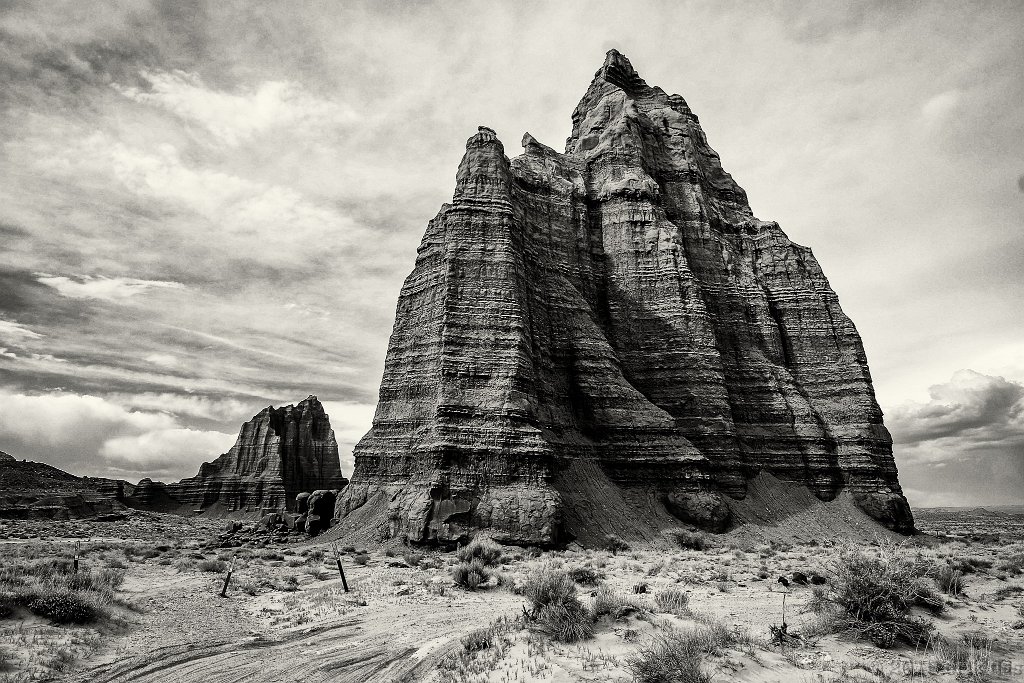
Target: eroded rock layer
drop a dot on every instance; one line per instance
(279, 453)
(609, 339)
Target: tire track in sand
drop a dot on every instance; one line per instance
(368, 648)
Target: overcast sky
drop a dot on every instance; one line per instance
(207, 208)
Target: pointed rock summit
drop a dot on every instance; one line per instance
(279, 453)
(608, 341)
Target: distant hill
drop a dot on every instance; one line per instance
(36, 490)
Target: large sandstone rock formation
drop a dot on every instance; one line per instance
(279, 453)
(609, 340)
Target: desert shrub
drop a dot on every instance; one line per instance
(713, 636)
(116, 563)
(970, 656)
(549, 586)
(874, 595)
(673, 600)
(690, 540)
(483, 549)
(584, 576)
(184, 564)
(556, 609)
(211, 565)
(361, 559)
(1006, 592)
(478, 639)
(96, 580)
(672, 658)
(608, 602)
(413, 558)
(614, 544)
(1013, 564)
(566, 622)
(64, 607)
(270, 555)
(318, 573)
(471, 575)
(970, 565)
(949, 579)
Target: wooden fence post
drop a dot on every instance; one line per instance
(337, 558)
(227, 579)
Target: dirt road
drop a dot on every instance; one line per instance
(396, 644)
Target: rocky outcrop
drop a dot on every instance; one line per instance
(607, 339)
(320, 510)
(279, 453)
(35, 490)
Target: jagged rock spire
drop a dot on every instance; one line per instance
(608, 340)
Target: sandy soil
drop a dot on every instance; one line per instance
(286, 616)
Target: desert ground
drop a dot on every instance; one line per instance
(690, 607)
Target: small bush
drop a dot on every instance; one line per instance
(614, 544)
(361, 559)
(970, 655)
(566, 622)
(64, 608)
(212, 565)
(471, 575)
(608, 602)
(673, 600)
(584, 576)
(478, 639)
(483, 549)
(413, 558)
(548, 587)
(556, 610)
(950, 580)
(689, 540)
(874, 595)
(1013, 564)
(674, 658)
(1006, 592)
(116, 563)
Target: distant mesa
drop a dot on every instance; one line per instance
(607, 340)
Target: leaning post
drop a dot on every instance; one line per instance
(341, 571)
(227, 579)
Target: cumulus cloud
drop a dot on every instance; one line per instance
(236, 117)
(171, 453)
(93, 435)
(103, 288)
(68, 421)
(970, 411)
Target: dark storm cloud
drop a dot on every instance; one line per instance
(976, 409)
(965, 445)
